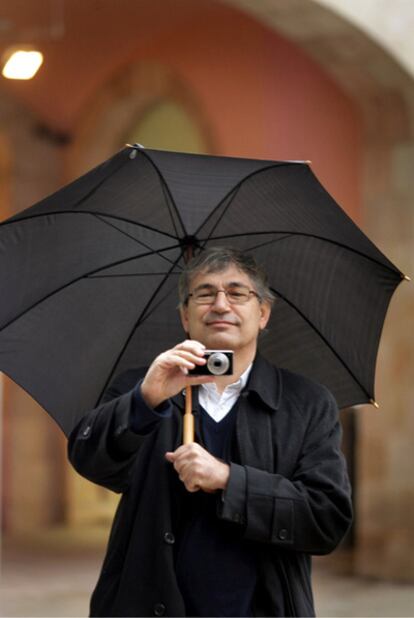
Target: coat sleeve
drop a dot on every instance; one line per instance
(104, 445)
(307, 512)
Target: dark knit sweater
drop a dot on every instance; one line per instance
(216, 569)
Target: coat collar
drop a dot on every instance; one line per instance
(265, 381)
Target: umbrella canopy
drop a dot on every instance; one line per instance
(88, 276)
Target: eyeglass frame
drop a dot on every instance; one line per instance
(216, 291)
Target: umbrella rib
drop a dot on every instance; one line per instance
(167, 201)
(269, 242)
(137, 323)
(145, 316)
(166, 187)
(94, 189)
(88, 212)
(343, 363)
(102, 219)
(84, 276)
(231, 197)
(242, 181)
(322, 238)
(131, 275)
(80, 201)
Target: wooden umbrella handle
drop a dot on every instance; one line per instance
(188, 418)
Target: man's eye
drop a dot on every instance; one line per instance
(236, 294)
(204, 295)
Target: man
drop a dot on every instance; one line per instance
(224, 526)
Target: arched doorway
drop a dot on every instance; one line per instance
(167, 125)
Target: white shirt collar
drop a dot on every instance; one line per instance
(235, 387)
(219, 405)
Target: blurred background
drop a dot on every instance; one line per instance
(331, 81)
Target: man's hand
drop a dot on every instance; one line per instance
(167, 375)
(198, 469)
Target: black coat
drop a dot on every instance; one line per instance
(288, 491)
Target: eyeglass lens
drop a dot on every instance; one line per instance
(234, 294)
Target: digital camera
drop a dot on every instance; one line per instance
(219, 363)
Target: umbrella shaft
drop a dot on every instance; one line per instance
(188, 418)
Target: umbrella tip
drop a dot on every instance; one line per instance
(374, 403)
(406, 278)
(136, 145)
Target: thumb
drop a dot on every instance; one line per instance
(170, 456)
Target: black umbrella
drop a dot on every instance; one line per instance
(88, 276)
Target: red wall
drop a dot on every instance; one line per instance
(265, 98)
(260, 95)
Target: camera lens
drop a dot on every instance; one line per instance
(218, 363)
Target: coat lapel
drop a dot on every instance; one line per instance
(258, 403)
(254, 435)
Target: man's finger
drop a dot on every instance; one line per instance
(199, 359)
(186, 449)
(191, 346)
(178, 361)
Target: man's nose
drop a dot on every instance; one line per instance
(220, 302)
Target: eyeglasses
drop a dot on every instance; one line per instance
(235, 295)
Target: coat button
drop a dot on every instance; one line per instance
(169, 538)
(120, 430)
(159, 609)
(283, 534)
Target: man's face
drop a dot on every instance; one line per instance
(221, 325)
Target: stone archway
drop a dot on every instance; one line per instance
(384, 93)
(117, 108)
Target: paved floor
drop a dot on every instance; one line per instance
(58, 581)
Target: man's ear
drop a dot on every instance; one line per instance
(184, 317)
(265, 311)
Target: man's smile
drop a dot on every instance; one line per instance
(220, 323)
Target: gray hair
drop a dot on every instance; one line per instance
(217, 259)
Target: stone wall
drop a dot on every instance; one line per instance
(33, 490)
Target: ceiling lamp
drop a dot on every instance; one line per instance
(21, 63)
